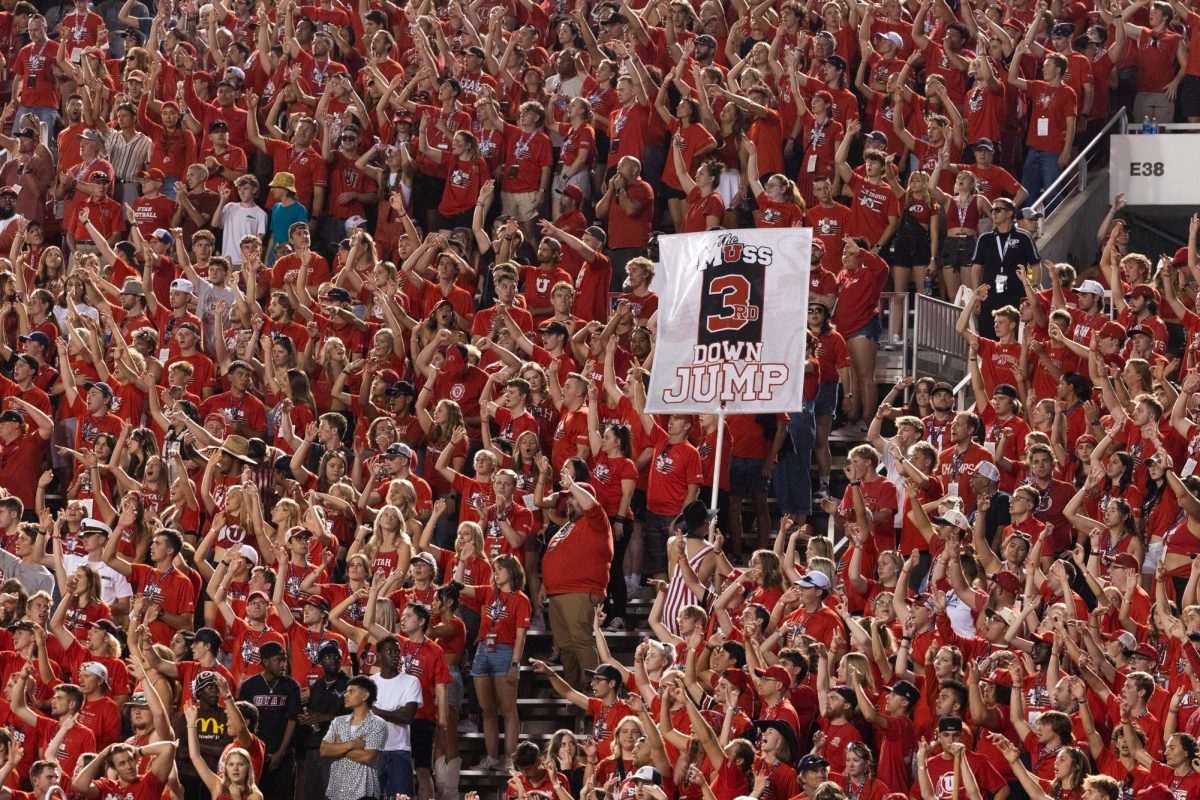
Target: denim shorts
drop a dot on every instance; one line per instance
(454, 691)
(495, 665)
(825, 403)
(873, 330)
(745, 477)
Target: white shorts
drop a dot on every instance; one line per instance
(731, 181)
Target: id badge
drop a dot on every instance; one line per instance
(990, 447)
(30, 81)
(614, 145)
(489, 645)
(164, 354)
(952, 489)
(1043, 126)
(512, 171)
(1001, 283)
(1189, 467)
(811, 164)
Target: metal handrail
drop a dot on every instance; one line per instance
(1079, 164)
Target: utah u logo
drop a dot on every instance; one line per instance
(731, 300)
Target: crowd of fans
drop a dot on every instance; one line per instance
(326, 332)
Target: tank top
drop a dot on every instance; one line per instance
(678, 593)
(959, 217)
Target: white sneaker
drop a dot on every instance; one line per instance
(615, 624)
(537, 621)
(507, 765)
(467, 725)
(488, 764)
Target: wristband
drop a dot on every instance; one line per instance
(855, 483)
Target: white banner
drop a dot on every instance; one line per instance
(1154, 170)
(732, 322)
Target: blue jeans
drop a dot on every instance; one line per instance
(48, 116)
(792, 479)
(396, 773)
(1041, 170)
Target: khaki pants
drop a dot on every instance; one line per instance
(571, 617)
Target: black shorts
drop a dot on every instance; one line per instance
(423, 732)
(673, 194)
(1189, 96)
(909, 249)
(463, 220)
(957, 251)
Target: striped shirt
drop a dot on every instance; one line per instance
(127, 156)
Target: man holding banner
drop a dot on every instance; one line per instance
(674, 481)
(728, 340)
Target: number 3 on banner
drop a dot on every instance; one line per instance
(734, 291)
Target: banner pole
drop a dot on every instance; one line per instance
(716, 478)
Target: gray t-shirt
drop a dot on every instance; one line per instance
(33, 578)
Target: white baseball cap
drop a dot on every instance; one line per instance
(183, 285)
(1090, 287)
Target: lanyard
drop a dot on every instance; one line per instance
(817, 133)
(235, 411)
(407, 658)
(293, 157)
(309, 643)
(1003, 249)
(963, 208)
(152, 588)
(1043, 754)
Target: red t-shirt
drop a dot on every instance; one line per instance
(1050, 107)
(246, 645)
(502, 614)
(700, 208)
(607, 475)
(526, 154)
(873, 204)
(897, 743)
(427, 663)
(571, 432)
(171, 589)
(675, 467)
(305, 165)
(147, 787)
(578, 556)
(625, 231)
(464, 179)
(858, 294)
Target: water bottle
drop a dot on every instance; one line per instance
(1146, 124)
(928, 285)
(1154, 125)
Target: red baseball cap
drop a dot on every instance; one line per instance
(1123, 560)
(777, 673)
(1144, 290)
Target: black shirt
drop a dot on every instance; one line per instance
(1003, 254)
(277, 701)
(324, 698)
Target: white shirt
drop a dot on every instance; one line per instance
(113, 585)
(394, 694)
(237, 221)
